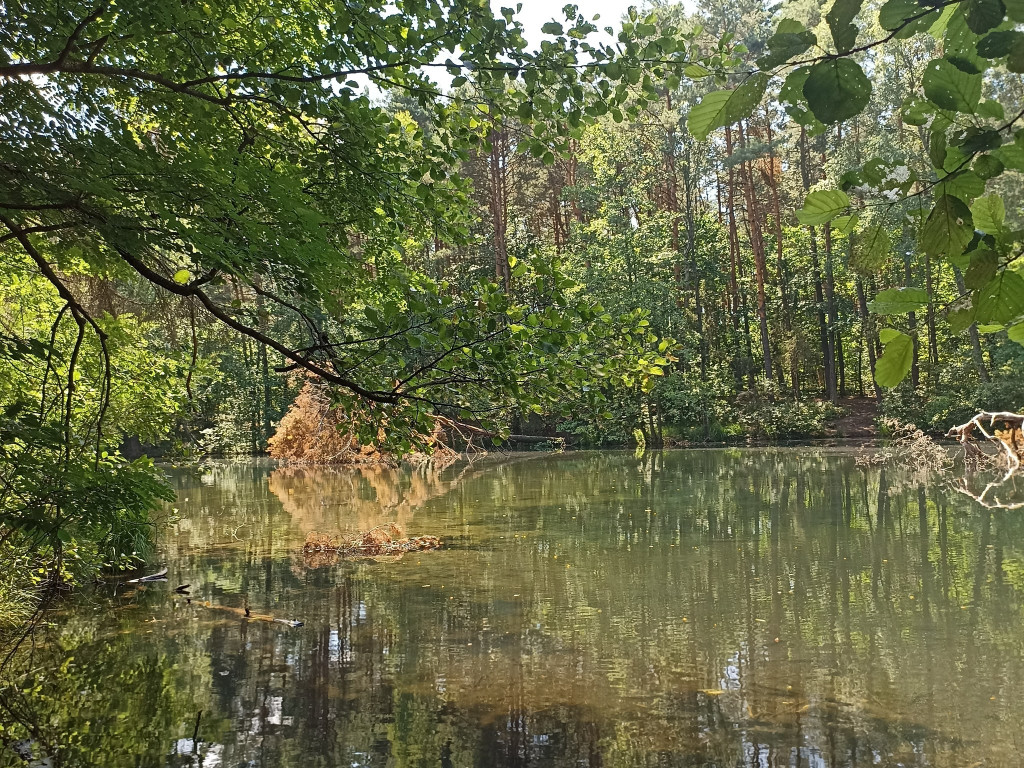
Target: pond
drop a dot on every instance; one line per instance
(768, 607)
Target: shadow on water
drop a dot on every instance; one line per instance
(694, 608)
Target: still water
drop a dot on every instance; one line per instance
(693, 608)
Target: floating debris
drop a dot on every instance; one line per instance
(384, 541)
(159, 576)
(245, 613)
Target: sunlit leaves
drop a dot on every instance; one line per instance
(822, 206)
(836, 90)
(1001, 300)
(898, 301)
(894, 364)
(721, 108)
(871, 250)
(988, 213)
(950, 87)
(1016, 333)
(905, 14)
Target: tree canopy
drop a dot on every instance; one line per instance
(623, 233)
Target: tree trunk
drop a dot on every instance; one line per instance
(757, 246)
(867, 334)
(819, 294)
(976, 353)
(497, 170)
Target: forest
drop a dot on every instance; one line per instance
(728, 224)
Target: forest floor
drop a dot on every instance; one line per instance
(859, 420)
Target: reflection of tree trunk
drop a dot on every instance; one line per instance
(924, 534)
(879, 548)
(980, 568)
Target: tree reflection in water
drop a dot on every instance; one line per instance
(697, 608)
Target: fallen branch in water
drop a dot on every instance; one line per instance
(244, 613)
(383, 541)
(1003, 430)
(909, 447)
(160, 576)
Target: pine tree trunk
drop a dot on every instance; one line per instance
(757, 246)
(819, 293)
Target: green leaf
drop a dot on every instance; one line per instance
(720, 108)
(1002, 299)
(983, 15)
(960, 319)
(551, 28)
(949, 228)
(789, 41)
(822, 206)
(836, 89)
(182, 276)
(1015, 9)
(898, 301)
(988, 213)
(916, 111)
(995, 45)
(951, 88)
(1015, 61)
(845, 224)
(1016, 333)
(1011, 156)
(984, 264)
(871, 250)
(895, 13)
(840, 23)
(988, 167)
(991, 108)
(965, 185)
(894, 364)
(974, 140)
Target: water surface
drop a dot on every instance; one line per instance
(700, 608)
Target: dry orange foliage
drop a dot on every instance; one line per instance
(315, 432)
(384, 541)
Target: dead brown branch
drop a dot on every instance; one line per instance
(383, 541)
(1000, 428)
